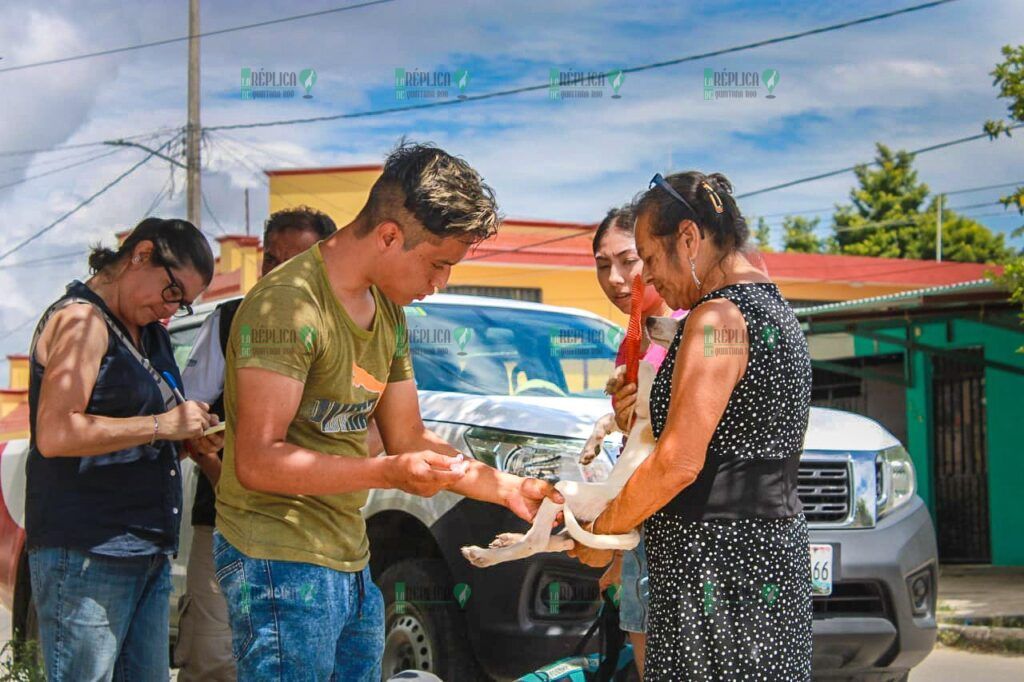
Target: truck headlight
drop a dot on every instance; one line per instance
(553, 459)
(894, 479)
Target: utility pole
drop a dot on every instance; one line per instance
(246, 211)
(938, 229)
(192, 130)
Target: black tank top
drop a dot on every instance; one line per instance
(750, 469)
(122, 503)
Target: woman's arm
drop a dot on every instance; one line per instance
(702, 384)
(71, 348)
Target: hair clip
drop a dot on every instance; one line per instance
(716, 201)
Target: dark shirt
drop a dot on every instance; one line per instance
(123, 503)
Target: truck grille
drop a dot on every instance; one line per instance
(852, 599)
(824, 490)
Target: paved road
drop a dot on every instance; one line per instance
(961, 666)
(943, 664)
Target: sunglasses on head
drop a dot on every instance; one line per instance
(659, 181)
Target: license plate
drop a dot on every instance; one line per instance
(821, 570)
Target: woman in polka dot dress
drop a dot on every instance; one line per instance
(726, 539)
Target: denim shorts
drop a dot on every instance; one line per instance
(633, 600)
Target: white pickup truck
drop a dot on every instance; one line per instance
(518, 386)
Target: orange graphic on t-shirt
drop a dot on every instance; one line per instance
(365, 380)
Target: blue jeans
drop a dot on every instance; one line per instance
(298, 621)
(634, 601)
(100, 617)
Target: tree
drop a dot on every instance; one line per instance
(1008, 76)
(888, 218)
(798, 235)
(763, 235)
(882, 219)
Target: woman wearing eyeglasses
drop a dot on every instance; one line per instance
(726, 540)
(104, 498)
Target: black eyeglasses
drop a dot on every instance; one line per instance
(175, 293)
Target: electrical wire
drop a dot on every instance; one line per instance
(40, 232)
(168, 41)
(632, 69)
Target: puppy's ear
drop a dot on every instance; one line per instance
(662, 330)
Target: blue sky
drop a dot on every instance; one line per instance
(910, 81)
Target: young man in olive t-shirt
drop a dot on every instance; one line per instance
(317, 347)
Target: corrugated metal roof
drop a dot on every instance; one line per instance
(903, 299)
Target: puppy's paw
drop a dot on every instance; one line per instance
(478, 556)
(506, 539)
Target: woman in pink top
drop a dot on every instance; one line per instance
(617, 264)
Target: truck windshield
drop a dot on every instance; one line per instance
(485, 350)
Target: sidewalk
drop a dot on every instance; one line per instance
(981, 607)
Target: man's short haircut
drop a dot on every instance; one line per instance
(300, 218)
(440, 191)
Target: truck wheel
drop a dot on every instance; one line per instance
(426, 631)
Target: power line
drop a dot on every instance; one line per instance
(632, 69)
(213, 215)
(849, 169)
(39, 233)
(167, 41)
(44, 259)
(82, 145)
(62, 168)
(943, 192)
(979, 189)
(12, 332)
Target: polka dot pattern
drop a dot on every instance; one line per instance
(731, 599)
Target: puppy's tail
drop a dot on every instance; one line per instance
(615, 542)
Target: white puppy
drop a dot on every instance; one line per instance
(585, 501)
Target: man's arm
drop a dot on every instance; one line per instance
(402, 430)
(265, 461)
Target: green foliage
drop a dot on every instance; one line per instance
(762, 236)
(20, 662)
(1013, 279)
(1008, 76)
(798, 234)
(887, 217)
